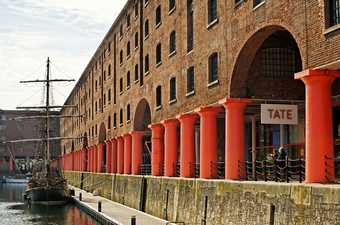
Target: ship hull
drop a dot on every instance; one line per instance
(47, 196)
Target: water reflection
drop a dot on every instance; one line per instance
(14, 212)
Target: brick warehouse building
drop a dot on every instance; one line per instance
(179, 87)
(22, 124)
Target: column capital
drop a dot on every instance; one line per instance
(126, 135)
(235, 101)
(108, 141)
(310, 73)
(156, 126)
(208, 109)
(113, 140)
(118, 138)
(170, 121)
(192, 116)
(137, 133)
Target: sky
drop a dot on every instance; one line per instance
(67, 31)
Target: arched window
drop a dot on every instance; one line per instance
(121, 117)
(128, 113)
(172, 4)
(212, 11)
(172, 93)
(128, 49)
(147, 64)
(159, 96)
(213, 67)
(158, 15)
(109, 70)
(146, 28)
(172, 42)
(159, 53)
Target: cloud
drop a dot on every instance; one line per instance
(68, 31)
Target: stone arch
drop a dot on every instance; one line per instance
(142, 117)
(101, 140)
(243, 83)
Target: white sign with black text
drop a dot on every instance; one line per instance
(279, 114)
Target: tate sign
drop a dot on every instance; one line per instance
(279, 114)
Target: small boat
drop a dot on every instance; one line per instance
(15, 181)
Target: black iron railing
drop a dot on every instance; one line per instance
(145, 169)
(333, 167)
(279, 170)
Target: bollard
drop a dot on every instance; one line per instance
(80, 197)
(133, 220)
(99, 206)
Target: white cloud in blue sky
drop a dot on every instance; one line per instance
(68, 31)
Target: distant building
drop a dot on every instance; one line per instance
(17, 129)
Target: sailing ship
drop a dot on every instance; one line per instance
(47, 186)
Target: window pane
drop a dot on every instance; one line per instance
(212, 10)
(279, 63)
(190, 80)
(213, 67)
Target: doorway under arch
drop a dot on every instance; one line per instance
(264, 71)
(142, 119)
(101, 140)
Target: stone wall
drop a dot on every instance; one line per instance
(221, 202)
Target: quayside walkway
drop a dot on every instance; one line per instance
(117, 213)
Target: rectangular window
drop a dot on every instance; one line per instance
(213, 68)
(279, 63)
(190, 25)
(172, 89)
(257, 2)
(334, 9)
(147, 62)
(172, 5)
(191, 80)
(159, 96)
(121, 85)
(115, 120)
(212, 11)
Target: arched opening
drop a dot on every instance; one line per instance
(264, 72)
(142, 120)
(101, 140)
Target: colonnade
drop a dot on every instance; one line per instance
(124, 153)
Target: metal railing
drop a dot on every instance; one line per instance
(278, 170)
(145, 169)
(333, 167)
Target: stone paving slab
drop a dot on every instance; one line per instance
(116, 212)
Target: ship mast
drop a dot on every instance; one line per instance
(47, 108)
(47, 158)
